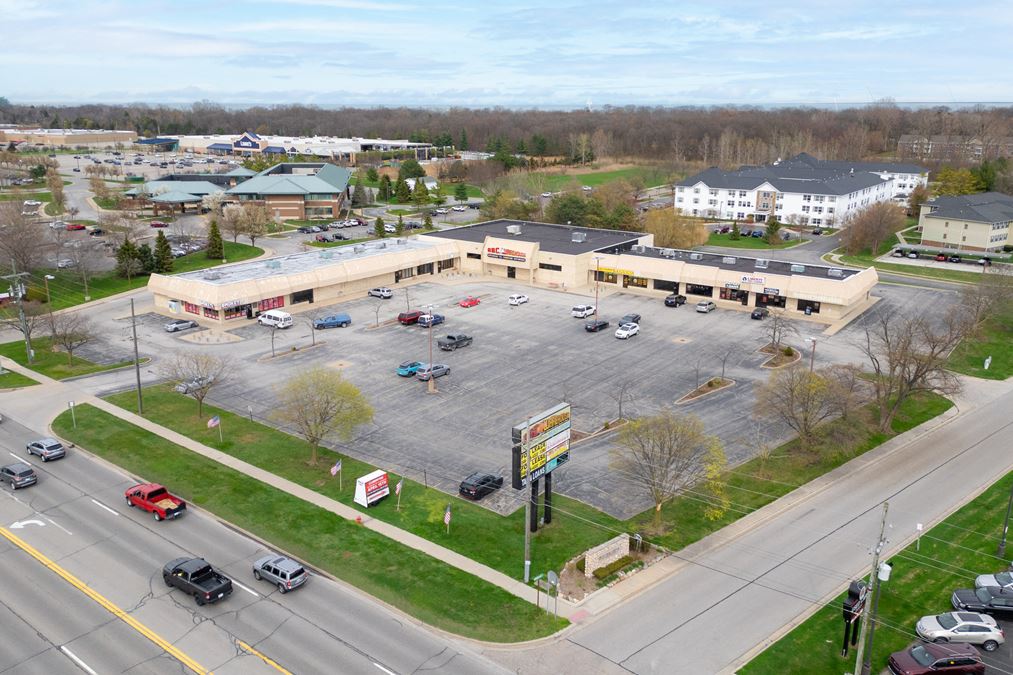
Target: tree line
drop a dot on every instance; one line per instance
(727, 136)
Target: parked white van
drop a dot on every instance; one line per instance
(276, 318)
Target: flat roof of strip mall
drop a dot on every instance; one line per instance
(738, 263)
(550, 237)
(299, 263)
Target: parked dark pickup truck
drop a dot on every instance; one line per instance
(155, 499)
(452, 342)
(194, 576)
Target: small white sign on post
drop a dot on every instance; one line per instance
(918, 541)
(988, 362)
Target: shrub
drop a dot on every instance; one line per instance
(788, 351)
(612, 568)
(1007, 248)
(580, 565)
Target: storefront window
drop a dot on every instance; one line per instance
(698, 289)
(636, 282)
(271, 303)
(191, 308)
(236, 312)
(606, 277)
(812, 306)
(670, 286)
(211, 313)
(425, 269)
(448, 264)
(768, 300)
(729, 294)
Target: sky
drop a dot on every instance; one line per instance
(551, 54)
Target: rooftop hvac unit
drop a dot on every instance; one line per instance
(762, 263)
(835, 272)
(668, 252)
(326, 255)
(382, 244)
(358, 248)
(728, 260)
(579, 237)
(696, 256)
(399, 242)
(638, 248)
(513, 229)
(798, 269)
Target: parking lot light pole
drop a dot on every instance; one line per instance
(597, 274)
(812, 355)
(432, 373)
(47, 278)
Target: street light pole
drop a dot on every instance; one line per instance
(812, 355)
(47, 278)
(1005, 525)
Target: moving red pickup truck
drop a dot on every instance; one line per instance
(156, 499)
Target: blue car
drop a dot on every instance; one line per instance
(335, 321)
(409, 368)
(427, 320)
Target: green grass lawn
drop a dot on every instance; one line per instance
(52, 363)
(333, 244)
(12, 380)
(108, 203)
(404, 212)
(67, 290)
(922, 580)
(477, 532)
(760, 481)
(558, 181)
(39, 196)
(748, 242)
(51, 209)
(969, 357)
(423, 587)
(866, 260)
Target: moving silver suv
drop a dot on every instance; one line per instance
(283, 572)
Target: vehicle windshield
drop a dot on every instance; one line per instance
(983, 595)
(922, 656)
(1004, 578)
(946, 621)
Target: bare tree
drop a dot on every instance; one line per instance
(196, 373)
(847, 388)
(320, 404)
(992, 293)
(232, 222)
(622, 392)
(908, 356)
(672, 230)
(213, 202)
(70, 330)
(665, 453)
(35, 318)
(778, 328)
(798, 398)
(871, 226)
(19, 245)
(254, 230)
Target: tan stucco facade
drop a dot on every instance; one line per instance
(61, 138)
(965, 235)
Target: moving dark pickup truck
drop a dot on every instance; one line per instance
(452, 342)
(196, 577)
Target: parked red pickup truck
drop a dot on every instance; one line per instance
(155, 499)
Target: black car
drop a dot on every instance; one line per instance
(988, 600)
(478, 485)
(953, 258)
(817, 232)
(675, 300)
(305, 230)
(630, 318)
(596, 325)
(760, 313)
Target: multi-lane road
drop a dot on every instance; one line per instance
(74, 554)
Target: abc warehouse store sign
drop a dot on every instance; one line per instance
(540, 444)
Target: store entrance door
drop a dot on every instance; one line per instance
(511, 272)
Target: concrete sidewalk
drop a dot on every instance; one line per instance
(36, 407)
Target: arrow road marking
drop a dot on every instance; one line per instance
(21, 523)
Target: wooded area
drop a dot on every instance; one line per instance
(727, 136)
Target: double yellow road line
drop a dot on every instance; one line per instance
(122, 615)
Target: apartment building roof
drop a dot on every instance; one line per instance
(984, 207)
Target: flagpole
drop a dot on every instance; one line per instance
(221, 439)
(398, 507)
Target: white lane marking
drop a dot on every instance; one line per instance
(100, 504)
(73, 657)
(55, 524)
(248, 590)
(13, 455)
(17, 525)
(389, 672)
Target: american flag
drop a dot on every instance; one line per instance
(336, 468)
(397, 488)
(446, 516)
(214, 421)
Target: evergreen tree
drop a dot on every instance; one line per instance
(420, 195)
(463, 143)
(147, 258)
(402, 195)
(773, 235)
(539, 146)
(163, 254)
(461, 192)
(378, 228)
(128, 263)
(359, 193)
(372, 175)
(410, 168)
(216, 249)
(520, 148)
(735, 233)
(427, 221)
(399, 228)
(386, 192)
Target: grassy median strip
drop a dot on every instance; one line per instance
(923, 578)
(414, 582)
(53, 363)
(993, 341)
(475, 532)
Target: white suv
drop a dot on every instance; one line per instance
(582, 311)
(519, 299)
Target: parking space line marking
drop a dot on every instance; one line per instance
(55, 524)
(161, 642)
(263, 657)
(248, 590)
(98, 503)
(13, 455)
(81, 664)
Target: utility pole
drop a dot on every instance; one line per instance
(1005, 525)
(17, 291)
(866, 666)
(137, 360)
(527, 511)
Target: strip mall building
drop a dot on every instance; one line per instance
(534, 254)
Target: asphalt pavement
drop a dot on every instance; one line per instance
(76, 517)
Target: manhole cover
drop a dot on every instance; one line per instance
(681, 340)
